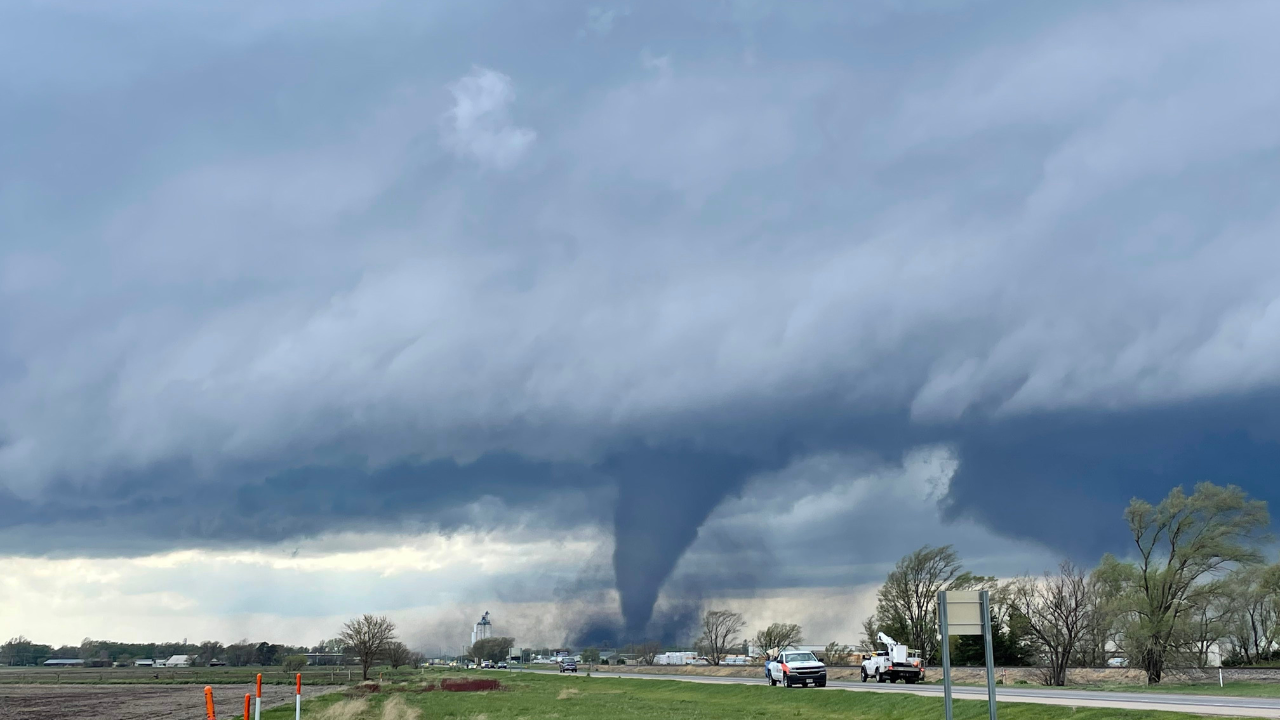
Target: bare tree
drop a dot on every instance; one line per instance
(1055, 611)
(397, 654)
(720, 630)
(368, 636)
(644, 652)
(778, 636)
(907, 603)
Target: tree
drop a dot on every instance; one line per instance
(1055, 611)
(1102, 618)
(643, 652)
(1183, 542)
(720, 630)
(210, 650)
(397, 654)
(778, 636)
(294, 663)
(240, 654)
(907, 603)
(837, 655)
(368, 637)
(493, 649)
(591, 655)
(1252, 621)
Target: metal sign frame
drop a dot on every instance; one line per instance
(966, 627)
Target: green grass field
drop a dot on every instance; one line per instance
(534, 695)
(1232, 689)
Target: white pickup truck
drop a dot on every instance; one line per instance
(796, 667)
(893, 664)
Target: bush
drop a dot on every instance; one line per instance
(294, 663)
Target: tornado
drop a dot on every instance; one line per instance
(664, 496)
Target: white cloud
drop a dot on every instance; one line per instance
(479, 124)
(295, 593)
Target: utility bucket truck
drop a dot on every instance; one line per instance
(893, 664)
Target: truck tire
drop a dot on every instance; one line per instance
(864, 675)
(769, 676)
(880, 676)
(819, 683)
(786, 680)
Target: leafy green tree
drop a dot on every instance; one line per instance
(1252, 622)
(837, 655)
(1182, 543)
(294, 663)
(591, 655)
(907, 603)
(493, 649)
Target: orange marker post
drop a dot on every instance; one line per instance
(246, 705)
(208, 703)
(257, 703)
(297, 699)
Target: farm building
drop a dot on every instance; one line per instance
(63, 662)
(176, 661)
(144, 663)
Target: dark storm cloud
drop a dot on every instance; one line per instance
(276, 271)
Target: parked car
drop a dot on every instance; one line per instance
(502, 666)
(487, 665)
(796, 667)
(568, 666)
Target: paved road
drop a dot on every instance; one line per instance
(1197, 704)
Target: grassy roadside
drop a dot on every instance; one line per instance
(1231, 689)
(530, 695)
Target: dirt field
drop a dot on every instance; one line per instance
(134, 702)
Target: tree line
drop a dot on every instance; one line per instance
(22, 651)
(1194, 581)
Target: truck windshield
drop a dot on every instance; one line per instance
(799, 657)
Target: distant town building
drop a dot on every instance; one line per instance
(324, 658)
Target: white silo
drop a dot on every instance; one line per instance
(482, 629)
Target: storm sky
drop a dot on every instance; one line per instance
(320, 308)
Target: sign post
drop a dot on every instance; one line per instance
(986, 643)
(946, 653)
(965, 612)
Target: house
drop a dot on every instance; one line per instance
(176, 661)
(145, 662)
(64, 662)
